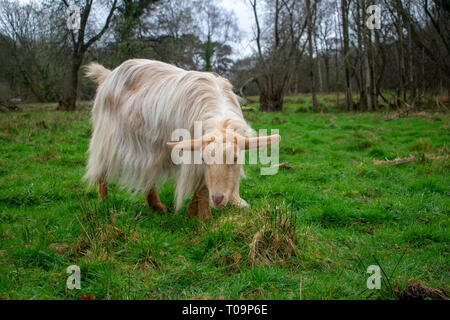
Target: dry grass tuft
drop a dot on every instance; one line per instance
(394, 162)
(149, 262)
(99, 229)
(422, 158)
(276, 240)
(59, 248)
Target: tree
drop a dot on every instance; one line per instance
(310, 13)
(174, 33)
(348, 89)
(130, 14)
(282, 50)
(217, 27)
(433, 37)
(80, 45)
(30, 52)
(194, 34)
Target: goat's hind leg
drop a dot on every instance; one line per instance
(154, 202)
(102, 189)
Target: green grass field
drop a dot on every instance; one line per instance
(310, 233)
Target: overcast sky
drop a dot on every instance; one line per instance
(244, 15)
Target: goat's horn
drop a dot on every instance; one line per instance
(194, 144)
(258, 142)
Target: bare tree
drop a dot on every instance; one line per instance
(310, 13)
(29, 47)
(367, 60)
(280, 52)
(430, 34)
(80, 45)
(348, 89)
(217, 29)
(210, 28)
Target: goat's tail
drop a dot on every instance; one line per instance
(96, 72)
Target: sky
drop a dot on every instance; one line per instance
(244, 15)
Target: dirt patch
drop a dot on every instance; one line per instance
(59, 248)
(149, 262)
(418, 291)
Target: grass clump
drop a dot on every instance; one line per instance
(276, 240)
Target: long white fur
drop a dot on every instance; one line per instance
(137, 107)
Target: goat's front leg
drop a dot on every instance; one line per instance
(236, 199)
(203, 203)
(200, 201)
(154, 202)
(192, 209)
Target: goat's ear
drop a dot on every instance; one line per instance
(186, 144)
(259, 142)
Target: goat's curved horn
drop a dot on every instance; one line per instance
(258, 142)
(194, 144)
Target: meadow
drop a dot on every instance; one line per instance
(339, 203)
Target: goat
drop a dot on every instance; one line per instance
(138, 106)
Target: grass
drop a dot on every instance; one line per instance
(311, 232)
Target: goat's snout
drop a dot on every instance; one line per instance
(217, 200)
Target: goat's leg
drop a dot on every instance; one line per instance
(192, 209)
(200, 201)
(153, 201)
(102, 189)
(203, 203)
(236, 199)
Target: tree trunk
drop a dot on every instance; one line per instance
(69, 100)
(401, 58)
(311, 58)
(412, 83)
(423, 87)
(327, 72)
(348, 90)
(319, 66)
(270, 101)
(270, 98)
(378, 76)
(367, 73)
(361, 82)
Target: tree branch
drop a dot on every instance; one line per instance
(105, 27)
(436, 26)
(258, 28)
(72, 34)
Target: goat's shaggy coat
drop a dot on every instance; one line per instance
(137, 107)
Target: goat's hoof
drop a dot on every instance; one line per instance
(205, 214)
(192, 213)
(159, 207)
(204, 218)
(241, 203)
